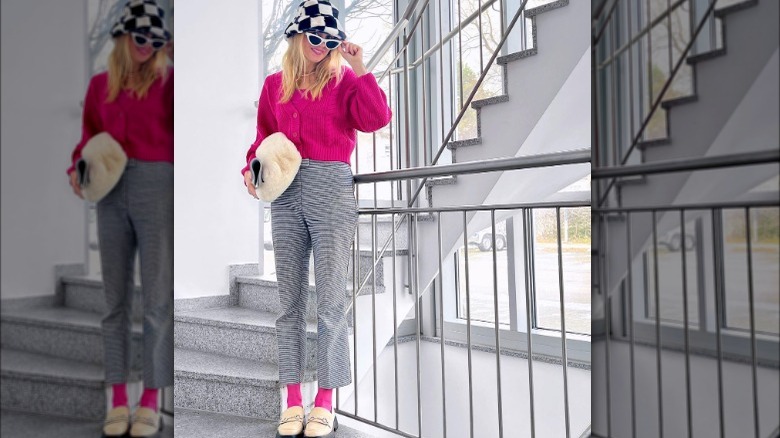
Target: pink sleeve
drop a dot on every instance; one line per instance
(266, 121)
(90, 122)
(367, 104)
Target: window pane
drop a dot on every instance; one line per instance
(575, 245)
(764, 238)
(480, 258)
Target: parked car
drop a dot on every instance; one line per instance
(674, 242)
(484, 240)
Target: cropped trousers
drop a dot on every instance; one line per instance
(318, 213)
(137, 215)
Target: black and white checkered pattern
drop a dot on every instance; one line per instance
(317, 15)
(142, 16)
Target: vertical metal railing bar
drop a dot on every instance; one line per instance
(532, 265)
(563, 324)
(527, 266)
(356, 271)
(373, 302)
(752, 310)
(669, 37)
(424, 29)
(395, 329)
(481, 37)
(468, 323)
(629, 30)
(495, 311)
(501, 12)
(686, 329)
(355, 282)
(630, 258)
(416, 279)
(441, 69)
(441, 330)
(614, 99)
(460, 59)
(607, 323)
(717, 261)
(657, 326)
(649, 63)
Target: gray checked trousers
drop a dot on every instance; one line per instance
(317, 212)
(137, 215)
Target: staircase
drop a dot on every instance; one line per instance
(727, 113)
(52, 352)
(225, 358)
(521, 122)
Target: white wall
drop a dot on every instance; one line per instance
(43, 81)
(217, 81)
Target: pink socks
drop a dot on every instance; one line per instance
(324, 399)
(119, 395)
(294, 397)
(149, 399)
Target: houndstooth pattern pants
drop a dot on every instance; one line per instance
(137, 215)
(318, 213)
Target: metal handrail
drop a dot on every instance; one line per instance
(497, 164)
(712, 162)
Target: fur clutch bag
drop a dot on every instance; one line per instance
(275, 167)
(100, 167)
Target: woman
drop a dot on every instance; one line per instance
(133, 102)
(318, 104)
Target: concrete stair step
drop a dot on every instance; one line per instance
(23, 424)
(50, 385)
(262, 294)
(237, 332)
(86, 293)
(218, 383)
(192, 423)
(60, 332)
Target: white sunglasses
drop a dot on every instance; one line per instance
(142, 40)
(316, 40)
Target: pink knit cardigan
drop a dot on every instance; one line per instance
(324, 129)
(144, 127)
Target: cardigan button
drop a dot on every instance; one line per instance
(295, 115)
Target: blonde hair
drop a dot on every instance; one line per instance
(294, 67)
(120, 65)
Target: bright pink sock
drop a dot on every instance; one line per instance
(324, 399)
(294, 397)
(118, 395)
(149, 398)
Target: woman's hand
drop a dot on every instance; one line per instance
(249, 186)
(74, 184)
(353, 54)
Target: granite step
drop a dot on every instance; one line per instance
(86, 293)
(235, 332)
(16, 424)
(60, 332)
(191, 423)
(262, 294)
(231, 385)
(50, 385)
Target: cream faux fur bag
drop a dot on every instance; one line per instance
(279, 161)
(101, 166)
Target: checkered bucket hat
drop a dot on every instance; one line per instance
(142, 16)
(317, 15)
